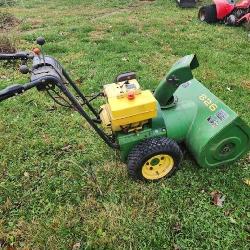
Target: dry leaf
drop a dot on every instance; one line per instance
(66, 148)
(247, 181)
(177, 228)
(218, 198)
(11, 248)
(176, 247)
(2, 243)
(247, 228)
(125, 59)
(232, 220)
(7, 204)
(26, 174)
(81, 146)
(46, 138)
(76, 246)
(52, 108)
(78, 81)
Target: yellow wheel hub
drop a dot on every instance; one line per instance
(157, 166)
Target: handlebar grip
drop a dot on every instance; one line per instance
(16, 56)
(11, 91)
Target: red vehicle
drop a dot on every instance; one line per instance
(227, 11)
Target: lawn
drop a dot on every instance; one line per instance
(61, 187)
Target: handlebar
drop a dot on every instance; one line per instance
(43, 72)
(11, 91)
(17, 89)
(47, 74)
(16, 56)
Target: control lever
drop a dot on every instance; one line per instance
(24, 69)
(16, 56)
(41, 41)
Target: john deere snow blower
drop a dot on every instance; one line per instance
(147, 127)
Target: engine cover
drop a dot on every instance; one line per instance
(128, 107)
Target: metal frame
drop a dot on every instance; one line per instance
(47, 81)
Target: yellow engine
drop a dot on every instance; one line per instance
(128, 107)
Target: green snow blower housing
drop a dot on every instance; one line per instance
(187, 112)
(146, 127)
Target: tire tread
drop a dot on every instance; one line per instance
(147, 149)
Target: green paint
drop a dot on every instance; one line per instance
(206, 132)
(128, 141)
(212, 132)
(180, 72)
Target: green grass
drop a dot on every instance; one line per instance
(52, 198)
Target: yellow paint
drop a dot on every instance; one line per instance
(157, 166)
(104, 115)
(120, 112)
(212, 106)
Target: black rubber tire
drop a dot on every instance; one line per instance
(147, 149)
(208, 14)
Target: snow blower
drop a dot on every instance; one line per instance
(146, 127)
